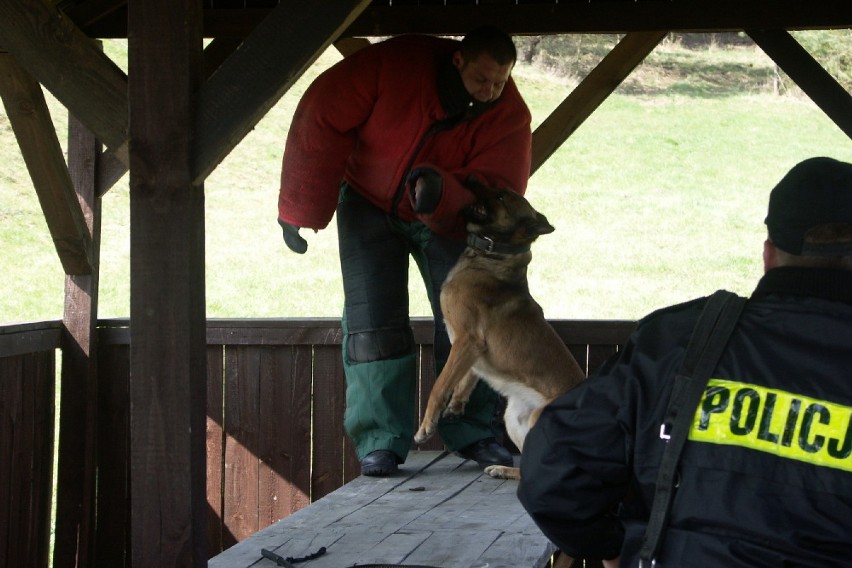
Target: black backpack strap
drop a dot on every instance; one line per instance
(708, 341)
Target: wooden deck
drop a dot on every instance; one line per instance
(439, 510)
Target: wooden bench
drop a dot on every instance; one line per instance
(439, 510)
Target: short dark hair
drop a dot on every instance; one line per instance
(492, 41)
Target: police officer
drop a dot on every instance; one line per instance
(765, 477)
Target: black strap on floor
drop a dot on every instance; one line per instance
(708, 341)
(289, 561)
(390, 566)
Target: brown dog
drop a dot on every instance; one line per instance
(498, 331)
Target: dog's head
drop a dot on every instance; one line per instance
(503, 216)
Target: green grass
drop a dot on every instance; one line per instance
(656, 198)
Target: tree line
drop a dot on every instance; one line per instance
(575, 55)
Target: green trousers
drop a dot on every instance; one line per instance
(381, 412)
(379, 354)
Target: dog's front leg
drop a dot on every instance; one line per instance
(461, 394)
(462, 356)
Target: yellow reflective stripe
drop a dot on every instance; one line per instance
(786, 424)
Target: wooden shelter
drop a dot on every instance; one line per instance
(170, 121)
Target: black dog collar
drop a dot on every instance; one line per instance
(487, 244)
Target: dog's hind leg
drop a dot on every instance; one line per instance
(463, 354)
(516, 420)
(517, 428)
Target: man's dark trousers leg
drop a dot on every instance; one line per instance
(379, 356)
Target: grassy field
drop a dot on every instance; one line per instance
(659, 197)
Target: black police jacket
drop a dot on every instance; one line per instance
(765, 478)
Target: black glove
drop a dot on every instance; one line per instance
(425, 186)
(292, 238)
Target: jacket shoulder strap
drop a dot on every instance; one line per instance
(709, 338)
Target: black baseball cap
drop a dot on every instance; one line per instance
(816, 192)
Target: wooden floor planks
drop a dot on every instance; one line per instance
(439, 510)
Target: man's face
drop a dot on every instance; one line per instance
(483, 77)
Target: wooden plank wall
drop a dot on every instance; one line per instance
(275, 439)
(27, 393)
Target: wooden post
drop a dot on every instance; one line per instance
(167, 314)
(76, 470)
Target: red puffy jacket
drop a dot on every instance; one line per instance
(362, 121)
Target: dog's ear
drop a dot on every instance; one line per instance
(542, 226)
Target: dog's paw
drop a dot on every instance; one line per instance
(423, 434)
(503, 472)
(455, 408)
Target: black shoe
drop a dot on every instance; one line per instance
(487, 452)
(379, 463)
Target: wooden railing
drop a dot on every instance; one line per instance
(275, 440)
(27, 384)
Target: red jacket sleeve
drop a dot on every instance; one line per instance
(321, 138)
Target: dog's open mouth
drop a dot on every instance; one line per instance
(476, 213)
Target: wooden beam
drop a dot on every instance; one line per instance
(30, 118)
(168, 361)
(217, 52)
(111, 168)
(69, 64)
(85, 13)
(260, 71)
(544, 18)
(815, 81)
(113, 164)
(76, 469)
(27, 338)
(590, 93)
(602, 17)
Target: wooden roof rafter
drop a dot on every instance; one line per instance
(596, 16)
(30, 118)
(261, 69)
(46, 47)
(70, 65)
(107, 18)
(590, 93)
(229, 24)
(249, 81)
(808, 74)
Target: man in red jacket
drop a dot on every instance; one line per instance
(386, 139)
